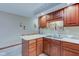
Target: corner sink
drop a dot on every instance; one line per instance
(55, 37)
(58, 37)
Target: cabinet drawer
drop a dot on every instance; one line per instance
(33, 45)
(40, 46)
(39, 49)
(40, 39)
(56, 42)
(39, 42)
(32, 41)
(69, 52)
(32, 50)
(70, 45)
(32, 53)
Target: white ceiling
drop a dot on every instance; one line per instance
(25, 9)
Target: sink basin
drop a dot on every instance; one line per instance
(55, 37)
(58, 37)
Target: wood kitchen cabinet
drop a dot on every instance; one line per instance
(58, 14)
(55, 49)
(69, 52)
(69, 49)
(46, 46)
(55, 16)
(32, 47)
(29, 47)
(52, 47)
(39, 46)
(49, 17)
(71, 15)
(42, 22)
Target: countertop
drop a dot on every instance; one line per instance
(30, 37)
(76, 41)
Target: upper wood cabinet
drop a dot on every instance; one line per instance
(71, 16)
(42, 22)
(58, 14)
(48, 17)
(55, 16)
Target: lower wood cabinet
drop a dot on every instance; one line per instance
(55, 51)
(69, 49)
(55, 47)
(51, 47)
(46, 46)
(39, 46)
(69, 52)
(29, 47)
(32, 47)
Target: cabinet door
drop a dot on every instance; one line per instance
(71, 16)
(39, 46)
(55, 48)
(32, 47)
(61, 13)
(29, 47)
(42, 22)
(52, 16)
(55, 51)
(69, 53)
(47, 46)
(69, 49)
(66, 17)
(48, 17)
(58, 14)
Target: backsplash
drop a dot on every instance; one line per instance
(70, 31)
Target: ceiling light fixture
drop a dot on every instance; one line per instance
(42, 13)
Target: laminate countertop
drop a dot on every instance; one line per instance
(31, 37)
